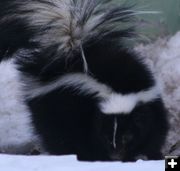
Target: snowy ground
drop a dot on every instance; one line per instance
(163, 57)
(69, 163)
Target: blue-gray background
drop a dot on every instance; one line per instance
(167, 22)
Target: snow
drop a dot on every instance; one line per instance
(163, 57)
(16, 133)
(69, 163)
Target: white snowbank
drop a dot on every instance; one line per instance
(69, 163)
(163, 56)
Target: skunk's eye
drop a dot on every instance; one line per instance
(127, 138)
(106, 143)
(109, 140)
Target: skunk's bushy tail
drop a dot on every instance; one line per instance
(66, 24)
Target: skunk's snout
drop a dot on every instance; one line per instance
(115, 157)
(118, 155)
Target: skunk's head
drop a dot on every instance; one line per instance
(126, 136)
(121, 135)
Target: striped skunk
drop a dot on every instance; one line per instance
(87, 92)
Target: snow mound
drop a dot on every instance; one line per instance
(69, 163)
(163, 57)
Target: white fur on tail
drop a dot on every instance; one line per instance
(69, 23)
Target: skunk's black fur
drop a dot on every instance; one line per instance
(88, 93)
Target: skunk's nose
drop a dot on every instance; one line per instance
(115, 157)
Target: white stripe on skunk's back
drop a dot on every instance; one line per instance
(111, 101)
(15, 127)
